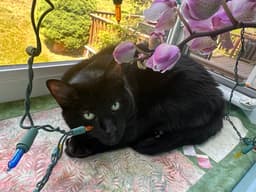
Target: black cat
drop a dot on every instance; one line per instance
(149, 111)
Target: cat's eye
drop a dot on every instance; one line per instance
(115, 106)
(89, 116)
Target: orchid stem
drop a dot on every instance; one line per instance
(228, 12)
(216, 32)
(183, 20)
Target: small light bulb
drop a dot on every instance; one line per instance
(15, 159)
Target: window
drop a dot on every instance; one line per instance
(58, 40)
(221, 65)
(223, 61)
(16, 34)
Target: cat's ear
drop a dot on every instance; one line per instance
(63, 93)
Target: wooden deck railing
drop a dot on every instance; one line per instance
(100, 21)
(249, 54)
(105, 21)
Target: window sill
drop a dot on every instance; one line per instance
(14, 79)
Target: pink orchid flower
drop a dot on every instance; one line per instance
(243, 10)
(200, 26)
(167, 20)
(164, 58)
(124, 52)
(155, 39)
(202, 45)
(220, 19)
(199, 9)
(163, 13)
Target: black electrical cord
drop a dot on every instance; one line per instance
(245, 140)
(34, 52)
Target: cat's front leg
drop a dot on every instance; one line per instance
(83, 146)
(76, 147)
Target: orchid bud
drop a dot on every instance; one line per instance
(243, 10)
(200, 26)
(199, 9)
(220, 19)
(167, 20)
(163, 13)
(124, 52)
(155, 39)
(203, 45)
(164, 58)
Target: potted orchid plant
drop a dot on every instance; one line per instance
(203, 20)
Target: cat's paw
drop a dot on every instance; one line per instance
(146, 146)
(74, 149)
(144, 150)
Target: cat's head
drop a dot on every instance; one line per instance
(97, 97)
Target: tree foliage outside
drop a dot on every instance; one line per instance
(120, 32)
(16, 31)
(128, 6)
(68, 24)
(117, 35)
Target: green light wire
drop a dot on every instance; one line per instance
(249, 142)
(34, 52)
(56, 155)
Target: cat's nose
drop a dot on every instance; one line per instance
(109, 126)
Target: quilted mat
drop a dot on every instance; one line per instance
(199, 168)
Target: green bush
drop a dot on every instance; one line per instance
(68, 24)
(117, 35)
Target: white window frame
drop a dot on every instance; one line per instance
(14, 79)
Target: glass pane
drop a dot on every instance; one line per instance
(64, 32)
(222, 61)
(16, 30)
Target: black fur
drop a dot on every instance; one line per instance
(158, 112)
